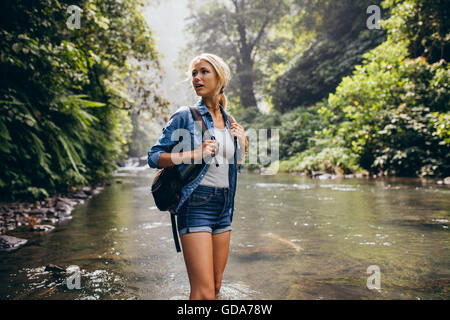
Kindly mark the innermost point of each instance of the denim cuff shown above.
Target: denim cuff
(153, 158)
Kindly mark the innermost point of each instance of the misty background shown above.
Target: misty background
(167, 21)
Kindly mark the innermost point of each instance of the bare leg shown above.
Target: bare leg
(198, 256)
(221, 246)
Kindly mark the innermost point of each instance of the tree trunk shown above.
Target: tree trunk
(245, 70)
(246, 91)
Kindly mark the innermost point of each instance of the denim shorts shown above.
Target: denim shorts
(204, 211)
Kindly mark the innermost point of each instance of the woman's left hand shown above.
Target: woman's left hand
(238, 131)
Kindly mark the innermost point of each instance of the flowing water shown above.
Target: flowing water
(293, 238)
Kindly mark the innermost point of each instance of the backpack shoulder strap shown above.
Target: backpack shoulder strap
(231, 120)
(198, 117)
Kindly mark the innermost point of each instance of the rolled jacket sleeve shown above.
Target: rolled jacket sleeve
(165, 142)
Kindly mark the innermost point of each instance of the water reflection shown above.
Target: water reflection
(307, 239)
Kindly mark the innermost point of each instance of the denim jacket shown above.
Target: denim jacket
(182, 119)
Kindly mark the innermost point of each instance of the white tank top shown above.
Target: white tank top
(218, 176)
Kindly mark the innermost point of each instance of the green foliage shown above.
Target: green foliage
(325, 155)
(342, 38)
(391, 116)
(392, 113)
(64, 115)
(296, 128)
(424, 24)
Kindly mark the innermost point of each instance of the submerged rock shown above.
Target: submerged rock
(9, 243)
(54, 268)
(322, 175)
(43, 228)
(80, 195)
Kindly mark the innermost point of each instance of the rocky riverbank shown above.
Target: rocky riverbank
(39, 216)
(328, 176)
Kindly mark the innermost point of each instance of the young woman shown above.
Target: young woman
(206, 206)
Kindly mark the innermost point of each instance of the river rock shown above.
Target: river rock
(143, 161)
(39, 212)
(43, 228)
(63, 207)
(322, 176)
(97, 191)
(49, 220)
(22, 218)
(9, 243)
(8, 213)
(52, 212)
(70, 202)
(10, 224)
(447, 180)
(79, 195)
(87, 190)
(120, 163)
(54, 268)
(64, 218)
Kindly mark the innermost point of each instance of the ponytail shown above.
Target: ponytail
(223, 99)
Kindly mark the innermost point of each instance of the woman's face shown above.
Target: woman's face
(204, 79)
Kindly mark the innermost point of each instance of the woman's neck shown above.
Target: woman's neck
(212, 103)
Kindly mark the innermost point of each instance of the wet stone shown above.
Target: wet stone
(79, 195)
(67, 201)
(43, 228)
(65, 218)
(48, 212)
(50, 220)
(8, 214)
(62, 206)
(97, 191)
(54, 268)
(38, 212)
(51, 211)
(10, 224)
(9, 243)
(87, 190)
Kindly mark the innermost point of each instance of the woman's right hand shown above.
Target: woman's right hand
(208, 148)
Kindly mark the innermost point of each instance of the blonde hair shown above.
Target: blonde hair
(222, 71)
